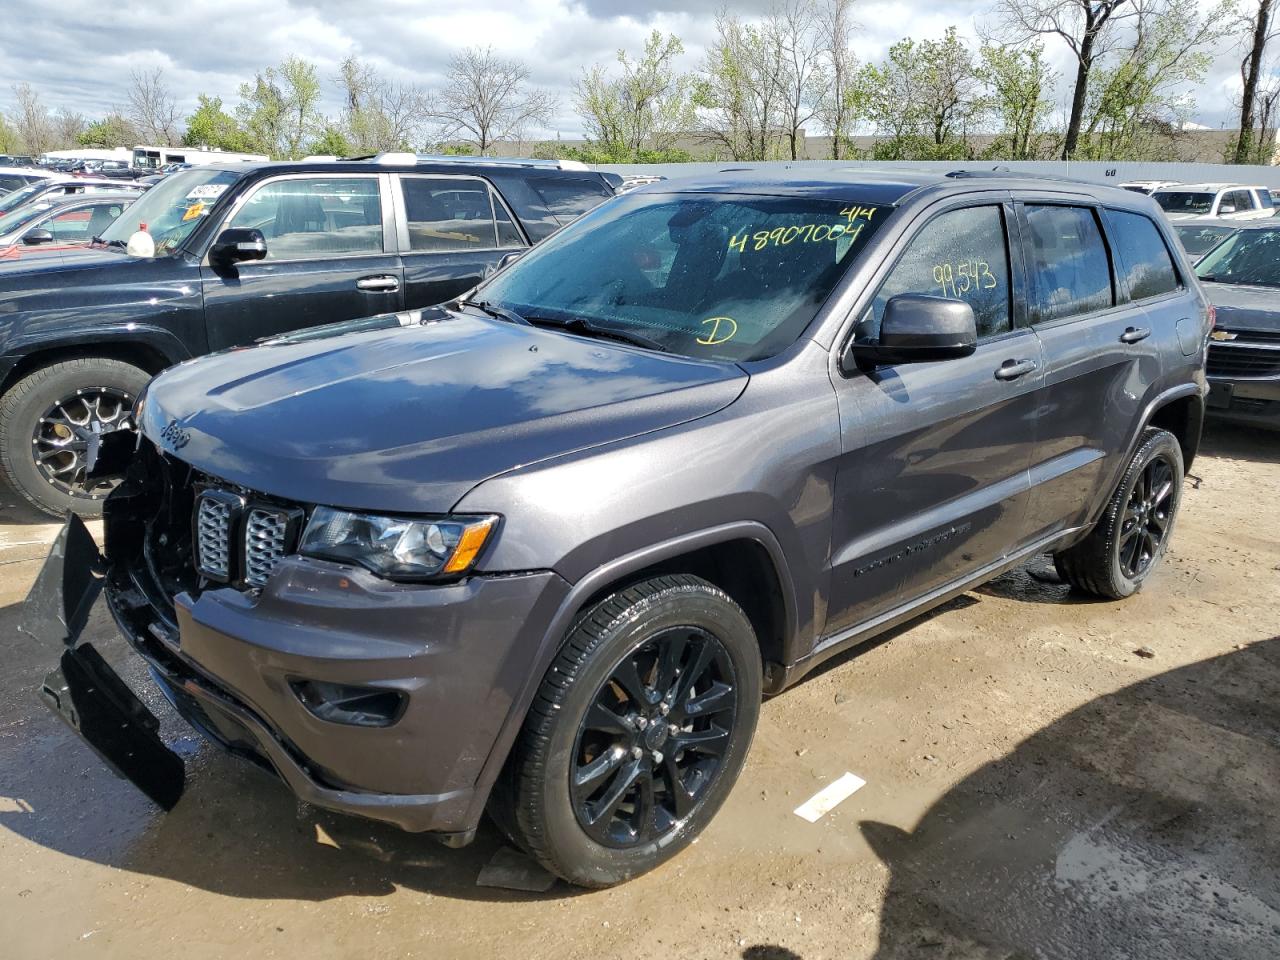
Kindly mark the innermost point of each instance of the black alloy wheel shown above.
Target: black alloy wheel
(65, 439)
(1146, 517)
(654, 738)
(1127, 542)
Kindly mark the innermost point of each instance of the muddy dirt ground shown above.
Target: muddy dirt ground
(1035, 789)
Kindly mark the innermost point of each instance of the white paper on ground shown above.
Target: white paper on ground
(826, 799)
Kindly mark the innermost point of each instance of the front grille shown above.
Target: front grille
(264, 543)
(1231, 360)
(239, 540)
(213, 537)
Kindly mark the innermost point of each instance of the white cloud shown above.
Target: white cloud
(79, 54)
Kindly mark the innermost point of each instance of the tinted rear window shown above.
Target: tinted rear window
(1144, 261)
(569, 198)
(1069, 260)
(1183, 201)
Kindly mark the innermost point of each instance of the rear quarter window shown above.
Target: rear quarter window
(1143, 260)
(569, 197)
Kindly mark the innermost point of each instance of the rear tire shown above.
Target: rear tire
(637, 734)
(1130, 539)
(84, 391)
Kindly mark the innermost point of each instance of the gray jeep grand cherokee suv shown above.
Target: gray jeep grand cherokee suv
(541, 551)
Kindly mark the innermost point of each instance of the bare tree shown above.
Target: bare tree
(31, 120)
(152, 109)
(792, 27)
(68, 127)
(1088, 29)
(486, 99)
(740, 95)
(837, 106)
(1251, 75)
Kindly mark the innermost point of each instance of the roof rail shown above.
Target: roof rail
(1005, 172)
(408, 159)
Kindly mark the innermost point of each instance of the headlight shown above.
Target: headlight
(394, 547)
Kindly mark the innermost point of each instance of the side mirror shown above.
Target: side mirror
(237, 245)
(917, 328)
(35, 237)
(1226, 208)
(510, 258)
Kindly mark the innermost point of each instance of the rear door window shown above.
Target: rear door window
(449, 215)
(1068, 261)
(1143, 258)
(1242, 200)
(569, 197)
(961, 254)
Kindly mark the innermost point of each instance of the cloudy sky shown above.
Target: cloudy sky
(78, 53)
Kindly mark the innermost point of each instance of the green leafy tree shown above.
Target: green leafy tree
(278, 108)
(111, 131)
(211, 126)
(1139, 100)
(331, 142)
(1020, 83)
(646, 105)
(925, 99)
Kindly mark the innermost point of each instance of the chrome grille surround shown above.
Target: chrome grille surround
(265, 542)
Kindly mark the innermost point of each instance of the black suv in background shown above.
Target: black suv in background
(239, 252)
(544, 552)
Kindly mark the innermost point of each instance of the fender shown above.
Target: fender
(1148, 412)
(161, 341)
(592, 583)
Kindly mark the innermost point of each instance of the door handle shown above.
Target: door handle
(1013, 369)
(1134, 334)
(378, 284)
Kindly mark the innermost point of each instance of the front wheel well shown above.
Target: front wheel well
(140, 355)
(742, 568)
(1184, 418)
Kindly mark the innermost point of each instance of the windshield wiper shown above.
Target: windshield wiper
(493, 310)
(98, 241)
(587, 328)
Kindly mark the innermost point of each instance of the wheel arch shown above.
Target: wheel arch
(759, 565)
(150, 350)
(1182, 414)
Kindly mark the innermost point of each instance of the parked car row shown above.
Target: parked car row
(541, 549)
(222, 255)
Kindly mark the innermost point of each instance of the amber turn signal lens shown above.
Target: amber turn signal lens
(472, 540)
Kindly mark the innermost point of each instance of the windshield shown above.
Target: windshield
(1182, 201)
(11, 201)
(171, 209)
(1198, 239)
(718, 277)
(1250, 257)
(22, 216)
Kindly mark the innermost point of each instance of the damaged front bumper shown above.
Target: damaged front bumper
(233, 662)
(83, 690)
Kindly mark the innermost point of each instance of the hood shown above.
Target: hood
(1242, 307)
(409, 419)
(17, 259)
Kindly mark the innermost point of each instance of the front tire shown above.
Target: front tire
(637, 734)
(46, 420)
(1127, 544)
